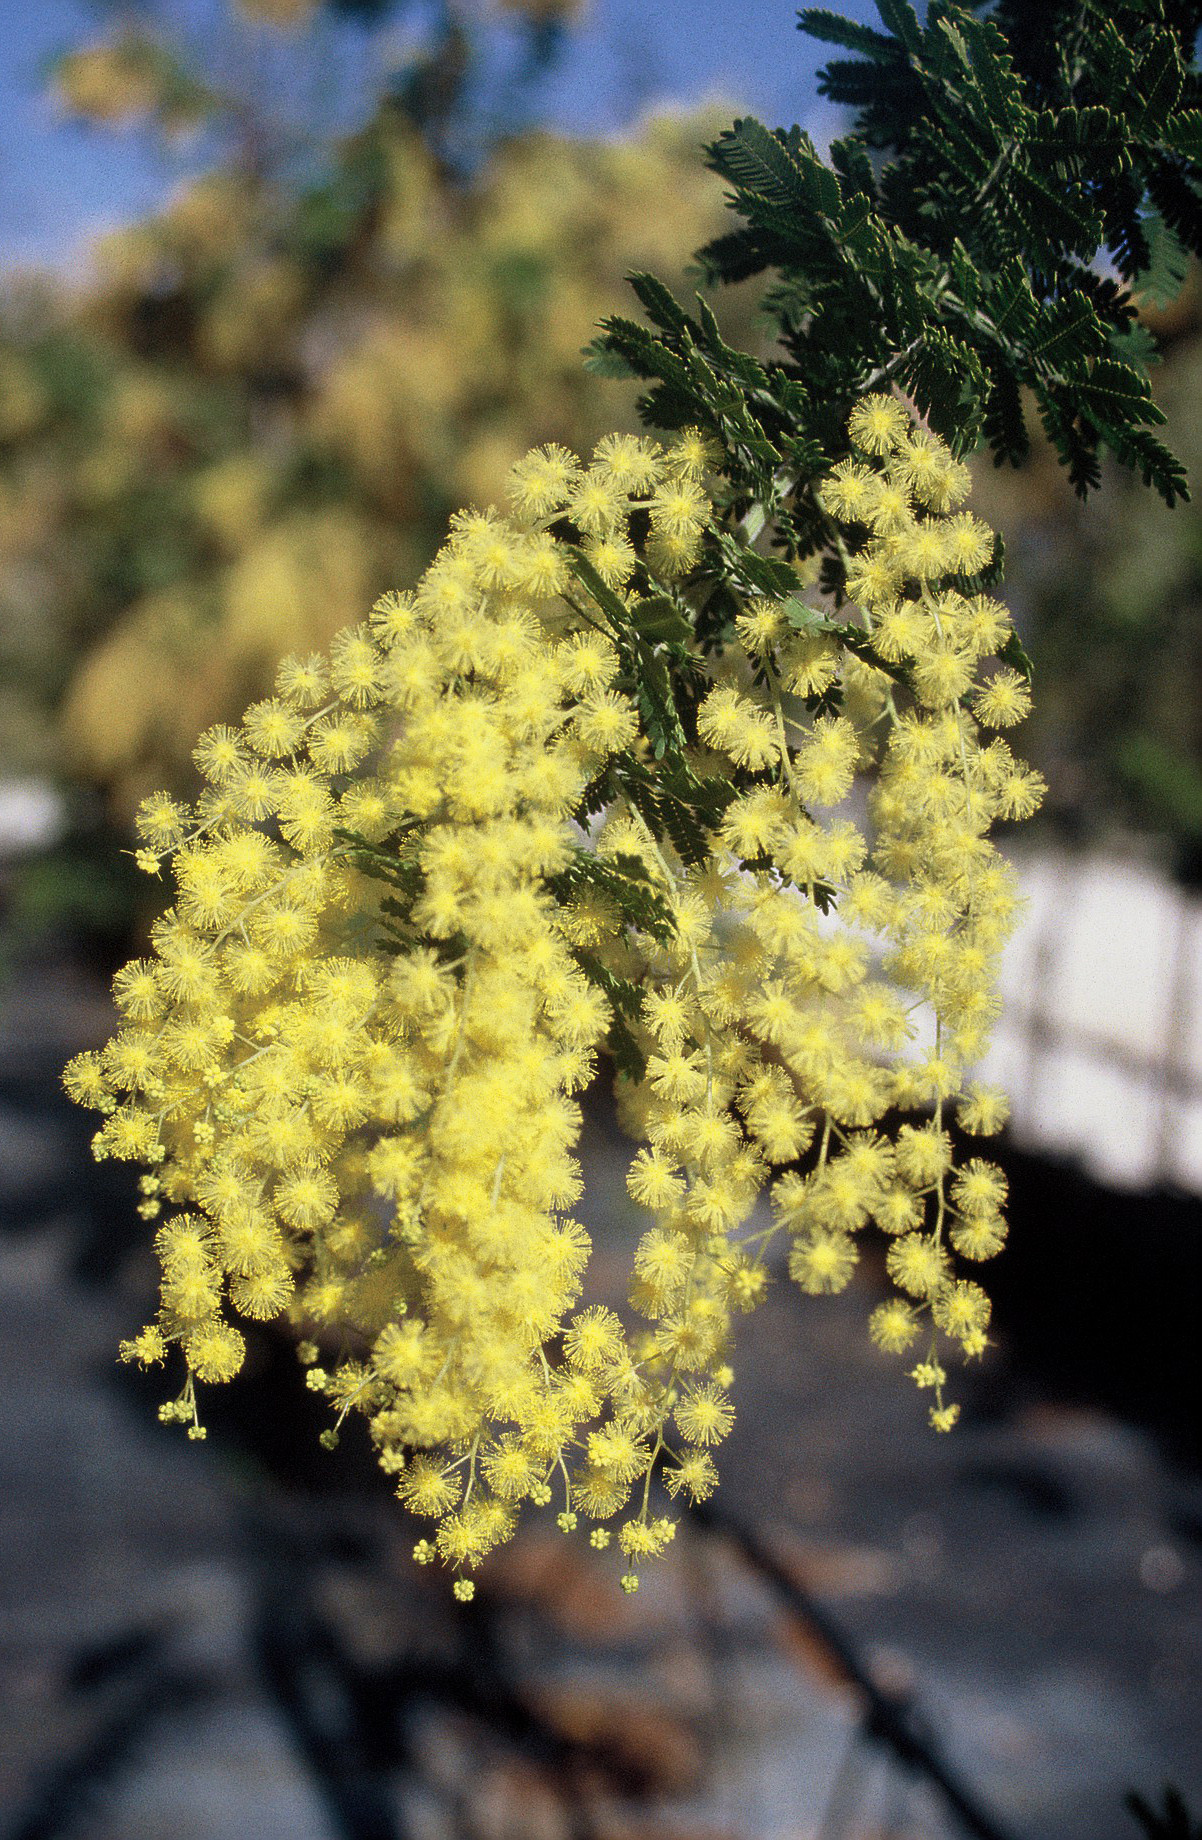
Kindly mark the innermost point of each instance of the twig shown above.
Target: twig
(895, 1722)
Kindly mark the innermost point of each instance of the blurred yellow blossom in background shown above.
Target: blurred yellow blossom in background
(263, 403)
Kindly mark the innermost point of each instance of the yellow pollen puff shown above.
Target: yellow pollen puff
(878, 424)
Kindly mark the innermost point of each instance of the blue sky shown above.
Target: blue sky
(60, 181)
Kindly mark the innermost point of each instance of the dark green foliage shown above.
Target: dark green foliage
(389, 862)
(674, 802)
(625, 1000)
(621, 881)
(1018, 179)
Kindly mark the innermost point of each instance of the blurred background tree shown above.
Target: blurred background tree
(264, 401)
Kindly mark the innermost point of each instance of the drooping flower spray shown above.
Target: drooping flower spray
(441, 870)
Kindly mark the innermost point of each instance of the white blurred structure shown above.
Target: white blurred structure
(1100, 1039)
(32, 816)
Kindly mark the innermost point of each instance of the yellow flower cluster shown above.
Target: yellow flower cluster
(354, 1089)
(396, 947)
(826, 975)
